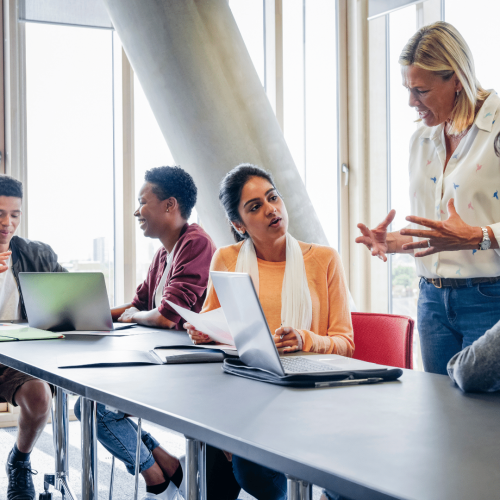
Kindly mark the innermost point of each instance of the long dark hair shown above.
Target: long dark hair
(231, 188)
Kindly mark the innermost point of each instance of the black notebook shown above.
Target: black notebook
(160, 355)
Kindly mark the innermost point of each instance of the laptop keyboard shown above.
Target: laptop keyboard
(300, 364)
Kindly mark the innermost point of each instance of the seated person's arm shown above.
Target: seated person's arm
(146, 318)
(185, 286)
(211, 301)
(130, 314)
(477, 367)
(116, 312)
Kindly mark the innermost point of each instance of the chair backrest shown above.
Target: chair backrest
(386, 339)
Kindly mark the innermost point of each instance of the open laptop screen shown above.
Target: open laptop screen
(246, 321)
(66, 301)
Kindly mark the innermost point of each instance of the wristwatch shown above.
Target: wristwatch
(486, 242)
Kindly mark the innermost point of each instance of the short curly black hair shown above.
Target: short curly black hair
(10, 186)
(174, 182)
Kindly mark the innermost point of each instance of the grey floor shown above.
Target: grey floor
(42, 460)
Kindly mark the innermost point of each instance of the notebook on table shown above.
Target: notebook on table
(161, 355)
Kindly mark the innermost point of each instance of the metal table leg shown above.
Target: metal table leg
(60, 434)
(89, 449)
(138, 456)
(298, 489)
(196, 480)
(112, 479)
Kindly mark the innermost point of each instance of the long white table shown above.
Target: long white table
(417, 438)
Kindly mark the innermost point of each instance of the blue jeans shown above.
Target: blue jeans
(450, 319)
(259, 481)
(118, 434)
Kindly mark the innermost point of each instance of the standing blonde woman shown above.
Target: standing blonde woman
(454, 193)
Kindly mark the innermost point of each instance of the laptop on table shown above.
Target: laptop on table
(252, 336)
(63, 302)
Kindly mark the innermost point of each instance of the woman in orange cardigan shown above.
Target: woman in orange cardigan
(301, 288)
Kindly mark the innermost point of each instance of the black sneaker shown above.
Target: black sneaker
(20, 481)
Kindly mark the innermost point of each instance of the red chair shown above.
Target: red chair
(385, 339)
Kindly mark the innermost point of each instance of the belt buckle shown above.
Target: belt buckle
(437, 280)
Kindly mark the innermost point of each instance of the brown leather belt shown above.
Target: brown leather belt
(457, 283)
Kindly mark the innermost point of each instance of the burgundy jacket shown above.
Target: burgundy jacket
(187, 278)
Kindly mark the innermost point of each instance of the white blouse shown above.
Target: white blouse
(472, 178)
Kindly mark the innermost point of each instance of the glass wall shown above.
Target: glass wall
(69, 197)
(404, 280)
(249, 17)
(309, 92)
(479, 27)
(151, 150)
(321, 144)
(294, 81)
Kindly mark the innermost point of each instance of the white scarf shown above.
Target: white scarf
(296, 305)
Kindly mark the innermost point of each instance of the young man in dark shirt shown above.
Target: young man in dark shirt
(179, 273)
(33, 396)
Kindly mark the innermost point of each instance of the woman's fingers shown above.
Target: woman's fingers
(364, 230)
(199, 337)
(287, 343)
(424, 253)
(365, 240)
(388, 219)
(416, 244)
(422, 221)
(381, 255)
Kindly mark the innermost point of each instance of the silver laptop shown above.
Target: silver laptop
(250, 330)
(64, 302)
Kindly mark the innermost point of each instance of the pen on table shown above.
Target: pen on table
(359, 381)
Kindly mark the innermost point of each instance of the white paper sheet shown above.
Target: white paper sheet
(212, 323)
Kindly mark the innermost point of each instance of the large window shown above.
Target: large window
(151, 150)
(69, 194)
(309, 92)
(321, 144)
(404, 280)
(479, 27)
(250, 19)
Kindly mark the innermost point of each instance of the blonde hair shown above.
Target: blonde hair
(439, 47)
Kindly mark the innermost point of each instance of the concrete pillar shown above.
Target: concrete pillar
(209, 102)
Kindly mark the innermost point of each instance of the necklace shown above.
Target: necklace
(456, 136)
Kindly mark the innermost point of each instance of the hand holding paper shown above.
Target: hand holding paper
(213, 323)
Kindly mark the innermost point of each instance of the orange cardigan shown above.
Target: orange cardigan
(331, 327)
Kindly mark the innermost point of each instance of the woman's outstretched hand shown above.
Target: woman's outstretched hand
(376, 239)
(449, 235)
